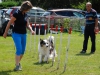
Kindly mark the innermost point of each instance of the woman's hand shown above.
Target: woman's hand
(33, 32)
(5, 35)
(8, 26)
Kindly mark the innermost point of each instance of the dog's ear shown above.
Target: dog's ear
(41, 39)
(41, 42)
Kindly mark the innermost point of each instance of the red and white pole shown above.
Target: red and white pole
(45, 27)
(66, 59)
(30, 38)
(39, 31)
(56, 33)
(55, 42)
(60, 46)
(56, 29)
(51, 29)
(34, 36)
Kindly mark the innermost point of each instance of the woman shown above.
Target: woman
(21, 22)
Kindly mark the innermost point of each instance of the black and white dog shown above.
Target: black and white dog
(46, 49)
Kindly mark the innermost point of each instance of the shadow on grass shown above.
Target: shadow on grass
(54, 70)
(57, 72)
(49, 67)
(61, 73)
(5, 72)
(86, 54)
(37, 63)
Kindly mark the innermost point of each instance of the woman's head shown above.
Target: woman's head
(26, 6)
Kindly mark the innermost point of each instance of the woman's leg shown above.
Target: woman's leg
(21, 56)
(23, 42)
(17, 41)
(17, 60)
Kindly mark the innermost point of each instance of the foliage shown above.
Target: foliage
(80, 6)
(8, 4)
(73, 22)
(66, 23)
(52, 4)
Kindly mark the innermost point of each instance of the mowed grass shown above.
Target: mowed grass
(77, 64)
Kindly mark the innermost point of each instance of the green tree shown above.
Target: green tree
(49, 4)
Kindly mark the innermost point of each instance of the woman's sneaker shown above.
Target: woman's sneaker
(18, 68)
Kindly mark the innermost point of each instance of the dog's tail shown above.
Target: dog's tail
(53, 54)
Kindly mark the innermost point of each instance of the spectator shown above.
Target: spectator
(91, 26)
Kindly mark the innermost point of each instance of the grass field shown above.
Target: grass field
(78, 64)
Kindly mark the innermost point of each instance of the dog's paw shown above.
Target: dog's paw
(40, 62)
(47, 62)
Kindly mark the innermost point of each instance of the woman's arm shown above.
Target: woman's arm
(29, 27)
(8, 26)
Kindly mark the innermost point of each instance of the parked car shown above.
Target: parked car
(65, 13)
(34, 11)
(4, 21)
(3, 12)
(11, 10)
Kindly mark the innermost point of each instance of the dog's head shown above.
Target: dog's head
(44, 43)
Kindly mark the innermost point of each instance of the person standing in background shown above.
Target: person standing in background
(90, 28)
